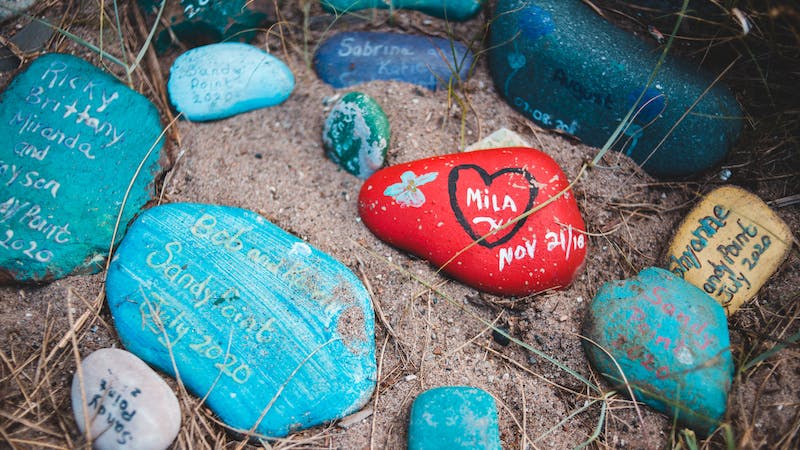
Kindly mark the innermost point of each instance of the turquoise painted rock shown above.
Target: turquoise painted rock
(351, 58)
(671, 341)
(221, 80)
(458, 10)
(277, 334)
(356, 134)
(74, 139)
(454, 417)
(13, 8)
(561, 65)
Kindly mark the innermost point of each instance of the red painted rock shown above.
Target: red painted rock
(438, 207)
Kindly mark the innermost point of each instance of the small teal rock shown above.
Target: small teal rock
(561, 65)
(74, 139)
(458, 10)
(277, 334)
(222, 80)
(356, 134)
(454, 417)
(671, 341)
(13, 8)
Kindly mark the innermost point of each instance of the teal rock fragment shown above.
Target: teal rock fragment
(671, 341)
(457, 10)
(356, 134)
(74, 138)
(454, 417)
(278, 335)
(561, 65)
(221, 80)
(13, 8)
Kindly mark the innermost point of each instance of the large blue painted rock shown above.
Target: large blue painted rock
(457, 10)
(221, 80)
(454, 417)
(74, 138)
(350, 58)
(356, 134)
(277, 334)
(561, 65)
(671, 341)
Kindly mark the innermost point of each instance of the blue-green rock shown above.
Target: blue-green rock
(356, 134)
(454, 417)
(561, 65)
(458, 10)
(671, 341)
(74, 138)
(277, 334)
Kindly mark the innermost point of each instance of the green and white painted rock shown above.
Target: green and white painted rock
(356, 134)
(13, 8)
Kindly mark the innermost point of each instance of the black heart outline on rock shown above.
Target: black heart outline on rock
(452, 181)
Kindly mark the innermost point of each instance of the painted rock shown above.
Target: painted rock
(356, 134)
(13, 8)
(458, 212)
(729, 245)
(129, 406)
(671, 341)
(561, 65)
(75, 139)
(277, 334)
(454, 417)
(458, 10)
(501, 138)
(221, 80)
(351, 58)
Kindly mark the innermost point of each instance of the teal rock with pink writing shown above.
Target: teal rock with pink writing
(74, 140)
(457, 10)
(276, 335)
(671, 341)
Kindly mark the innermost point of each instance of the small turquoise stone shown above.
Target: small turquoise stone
(277, 334)
(561, 65)
(671, 341)
(74, 139)
(454, 417)
(458, 10)
(351, 58)
(222, 80)
(356, 134)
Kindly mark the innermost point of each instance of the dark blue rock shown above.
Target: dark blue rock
(277, 334)
(457, 10)
(74, 139)
(357, 57)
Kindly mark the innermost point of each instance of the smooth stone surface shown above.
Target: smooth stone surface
(130, 407)
(350, 58)
(561, 65)
(31, 38)
(458, 10)
(501, 138)
(75, 137)
(257, 319)
(222, 80)
(671, 341)
(13, 8)
(454, 417)
(729, 245)
(356, 134)
(437, 207)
